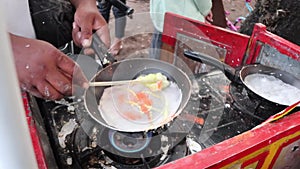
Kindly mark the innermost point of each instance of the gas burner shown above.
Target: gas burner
(129, 142)
(179, 151)
(79, 142)
(90, 153)
(109, 148)
(130, 145)
(141, 162)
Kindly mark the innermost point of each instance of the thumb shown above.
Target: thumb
(86, 33)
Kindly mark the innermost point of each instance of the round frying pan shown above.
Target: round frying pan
(127, 70)
(239, 75)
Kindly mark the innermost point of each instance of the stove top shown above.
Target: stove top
(216, 111)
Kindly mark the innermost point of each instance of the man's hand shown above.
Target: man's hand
(209, 18)
(87, 19)
(43, 70)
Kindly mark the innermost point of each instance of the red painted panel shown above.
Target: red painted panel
(235, 43)
(240, 146)
(259, 159)
(38, 150)
(260, 35)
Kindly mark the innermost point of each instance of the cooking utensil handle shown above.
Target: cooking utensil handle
(230, 72)
(101, 51)
(112, 83)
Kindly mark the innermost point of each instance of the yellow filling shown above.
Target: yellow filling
(154, 81)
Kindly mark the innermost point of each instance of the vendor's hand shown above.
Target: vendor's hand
(43, 70)
(87, 20)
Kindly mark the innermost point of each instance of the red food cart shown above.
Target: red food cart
(273, 145)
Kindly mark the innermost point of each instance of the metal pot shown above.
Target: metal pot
(131, 69)
(238, 75)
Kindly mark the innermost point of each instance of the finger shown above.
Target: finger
(104, 34)
(90, 24)
(71, 69)
(99, 22)
(47, 91)
(76, 34)
(35, 93)
(86, 42)
(86, 30)
(79, 78)
(60, 82)
(32, 90)
(209, 17)
(88, 51)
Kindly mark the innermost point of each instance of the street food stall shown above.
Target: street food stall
(273, 145)
(219, 126)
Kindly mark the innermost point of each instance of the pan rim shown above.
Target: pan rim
(242, 77)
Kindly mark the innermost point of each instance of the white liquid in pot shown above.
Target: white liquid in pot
(272, 88)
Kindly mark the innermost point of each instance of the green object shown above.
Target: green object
(194, 9)
(154, 81)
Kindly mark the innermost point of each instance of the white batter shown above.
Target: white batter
(273, 88)
(121, 114)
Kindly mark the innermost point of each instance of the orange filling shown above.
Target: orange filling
(132, 116)
(143, 102)
(159, 85)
